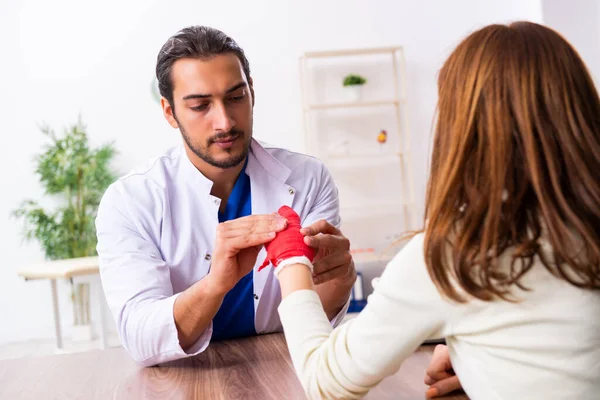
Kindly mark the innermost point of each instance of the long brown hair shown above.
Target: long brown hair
(516, 159)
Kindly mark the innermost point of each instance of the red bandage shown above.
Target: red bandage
(289, 242)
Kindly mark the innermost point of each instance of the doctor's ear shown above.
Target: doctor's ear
(251, 85)
(169, 113)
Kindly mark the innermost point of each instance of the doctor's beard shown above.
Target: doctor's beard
(204, 154)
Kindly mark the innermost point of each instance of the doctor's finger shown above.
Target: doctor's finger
(320, 226)
(252, 220)
(333, 242)
(331, 274)
(246, 241)
(334, 260)
(256, 226)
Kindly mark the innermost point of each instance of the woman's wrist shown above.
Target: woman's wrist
(293, 260)
(293, 277)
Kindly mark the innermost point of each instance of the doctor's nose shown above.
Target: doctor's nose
(222, 121)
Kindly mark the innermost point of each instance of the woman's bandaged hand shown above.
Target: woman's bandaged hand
(288, 247)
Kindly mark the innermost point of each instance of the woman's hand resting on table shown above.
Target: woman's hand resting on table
(439, 376)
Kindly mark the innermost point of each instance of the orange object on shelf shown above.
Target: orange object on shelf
(382, 137)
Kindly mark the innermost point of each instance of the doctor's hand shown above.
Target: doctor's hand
(439, 376)
(333, 261)
(237, 245)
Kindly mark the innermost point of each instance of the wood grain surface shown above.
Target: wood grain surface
(252, 368)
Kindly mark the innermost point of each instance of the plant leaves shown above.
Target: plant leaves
(70, 169)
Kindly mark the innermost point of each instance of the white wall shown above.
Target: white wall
(579, 22)
(65, 57)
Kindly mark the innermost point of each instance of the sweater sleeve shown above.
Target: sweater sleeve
(404, 310)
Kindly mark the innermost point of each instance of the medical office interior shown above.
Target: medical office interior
(352, 83)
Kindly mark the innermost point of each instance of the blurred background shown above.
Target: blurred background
(64, 60)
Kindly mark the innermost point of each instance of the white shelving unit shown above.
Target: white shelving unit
(375, 166)
(357, 104)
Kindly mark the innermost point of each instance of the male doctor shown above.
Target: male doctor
(181, 238)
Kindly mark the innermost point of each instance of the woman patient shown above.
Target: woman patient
(507, 267)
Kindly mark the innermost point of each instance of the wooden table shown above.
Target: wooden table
(253, 368)
(65, 269)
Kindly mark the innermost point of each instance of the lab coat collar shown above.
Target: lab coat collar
(261, 161)
(192, 175)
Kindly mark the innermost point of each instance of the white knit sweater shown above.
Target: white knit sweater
(547, 346)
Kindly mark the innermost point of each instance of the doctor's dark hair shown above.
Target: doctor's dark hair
(199, 42)
(514, 167)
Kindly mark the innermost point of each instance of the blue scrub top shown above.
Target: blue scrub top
(235, 318)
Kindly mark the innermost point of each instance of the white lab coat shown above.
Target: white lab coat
(156, 230)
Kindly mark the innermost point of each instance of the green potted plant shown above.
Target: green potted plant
(353, 85)
(75, 176)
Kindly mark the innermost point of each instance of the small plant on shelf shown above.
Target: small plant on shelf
(354, 80)
(353, 85)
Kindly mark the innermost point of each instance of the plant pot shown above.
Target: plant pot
(82, 333)
(354, 93)
(82, 324)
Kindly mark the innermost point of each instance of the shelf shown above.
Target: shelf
(365, 156)
(385, 207)
(370, 216)
(351, 52)
(371, 258)
(330, 106)
(343, 162)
